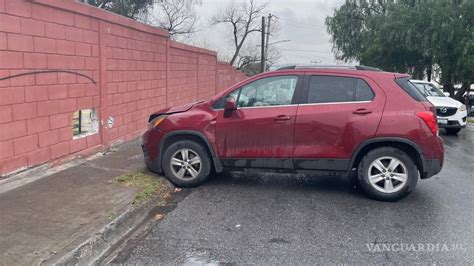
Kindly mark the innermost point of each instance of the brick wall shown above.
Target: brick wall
(126, 71)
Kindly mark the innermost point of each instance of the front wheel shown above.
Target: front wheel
(452, 131)
(387, 174)
(186, 163)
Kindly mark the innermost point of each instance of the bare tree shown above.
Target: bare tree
(133, 9)
(249, 59)
(178, 17)
(244, 18)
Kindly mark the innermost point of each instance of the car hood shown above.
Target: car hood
(444, 101)
(173, 110)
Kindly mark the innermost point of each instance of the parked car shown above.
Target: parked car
(451, 114)
(332, 121)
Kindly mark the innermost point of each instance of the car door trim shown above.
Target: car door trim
(306, 104)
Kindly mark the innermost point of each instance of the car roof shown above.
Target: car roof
(354, 67)
(344, 71)
(320, 70)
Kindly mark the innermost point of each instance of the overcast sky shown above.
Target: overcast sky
(301, 21)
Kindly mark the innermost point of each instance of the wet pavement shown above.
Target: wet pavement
(280, 219)
(43, 220)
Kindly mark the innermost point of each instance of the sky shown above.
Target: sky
(301, 22)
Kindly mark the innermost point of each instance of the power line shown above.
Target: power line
(303, 24)
(304, 28)
(301, 50)
(309, 55)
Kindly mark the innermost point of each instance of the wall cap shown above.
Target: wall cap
(101, 14)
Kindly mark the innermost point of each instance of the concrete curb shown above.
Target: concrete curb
(470, 126)
(100, 243)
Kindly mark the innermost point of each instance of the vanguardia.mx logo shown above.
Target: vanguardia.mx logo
(414, 247)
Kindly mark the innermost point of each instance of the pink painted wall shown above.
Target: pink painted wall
(136, 68)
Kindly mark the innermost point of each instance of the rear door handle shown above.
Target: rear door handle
(362, 111)
(281, 118)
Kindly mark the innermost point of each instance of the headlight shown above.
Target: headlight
(156, 121)
(462, 108)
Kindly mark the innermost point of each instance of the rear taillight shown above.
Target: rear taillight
(430, 120)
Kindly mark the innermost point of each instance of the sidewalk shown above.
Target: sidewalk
(57, 213)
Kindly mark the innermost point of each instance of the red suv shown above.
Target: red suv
(329, 120)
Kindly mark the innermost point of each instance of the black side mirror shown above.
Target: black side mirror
(230, 105)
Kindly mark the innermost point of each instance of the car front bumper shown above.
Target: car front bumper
(458, 120)
(150, 147)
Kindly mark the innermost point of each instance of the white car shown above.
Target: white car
(452, 114)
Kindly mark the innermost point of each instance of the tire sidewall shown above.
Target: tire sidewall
(412, 173)
(205, 163)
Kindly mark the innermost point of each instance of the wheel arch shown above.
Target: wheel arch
(196, 136)
(405, 145)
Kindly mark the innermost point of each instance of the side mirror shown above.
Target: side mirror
(230, 105)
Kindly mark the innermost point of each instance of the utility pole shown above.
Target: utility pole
(267, 40)
(262, 56)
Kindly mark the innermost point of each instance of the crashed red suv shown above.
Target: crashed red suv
(329, 120)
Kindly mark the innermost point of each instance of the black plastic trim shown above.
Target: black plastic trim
(271, 163)
(217, 162)
(410, 89)
(324, 164)
(431, 167)
(321, 164)
(384, 139)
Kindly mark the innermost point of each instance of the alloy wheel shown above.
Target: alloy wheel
(387, 174)
(185, 164)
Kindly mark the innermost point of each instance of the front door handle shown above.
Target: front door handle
(281, 118)
(362, 111)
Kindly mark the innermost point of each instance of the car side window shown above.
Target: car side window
(220, 103)
(234, 95)
(272, 91)
(333, 89)
(363, 91)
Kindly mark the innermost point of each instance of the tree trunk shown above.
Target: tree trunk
(449, 87)
(459, 95)
(429, 72)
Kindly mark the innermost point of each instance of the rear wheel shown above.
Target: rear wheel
(186, 163)
(452, 131)
(387, 174)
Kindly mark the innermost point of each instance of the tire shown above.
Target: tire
(194, 173)
(381, 190)
(452, 131)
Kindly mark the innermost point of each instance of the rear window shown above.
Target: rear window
(333, 89)
(410, 89)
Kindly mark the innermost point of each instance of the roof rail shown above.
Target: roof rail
(355, 67)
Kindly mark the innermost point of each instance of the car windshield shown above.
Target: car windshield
(429, 90)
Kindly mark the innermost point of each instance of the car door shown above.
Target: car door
(335, 115)
(260, 133)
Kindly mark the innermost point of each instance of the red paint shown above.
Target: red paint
(254, 133)
(317, 131)
(137, 70)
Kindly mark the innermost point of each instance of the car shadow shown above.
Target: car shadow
(335, 185)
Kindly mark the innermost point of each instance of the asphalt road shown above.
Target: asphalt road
(279, 219)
